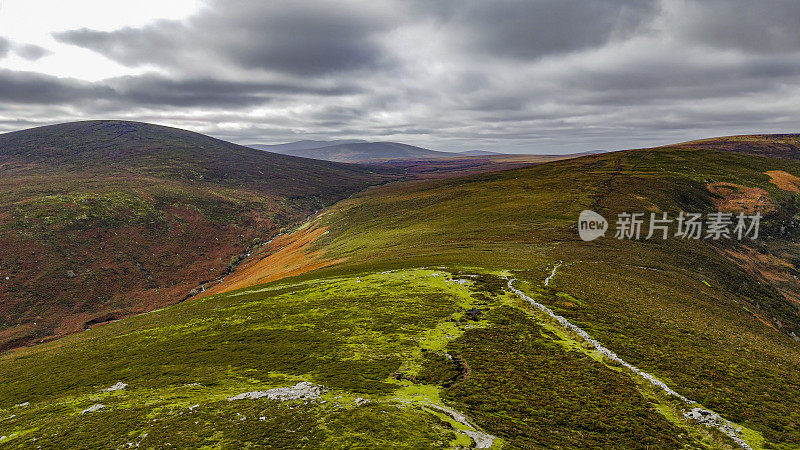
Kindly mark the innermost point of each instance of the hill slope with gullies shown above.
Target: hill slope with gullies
(103, 219)
(462, 313)
(774, 145)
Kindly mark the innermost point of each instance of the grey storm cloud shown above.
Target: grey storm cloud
(542, 75)
(531, 29)
(301, 38)
(35, 88)
(148, 90)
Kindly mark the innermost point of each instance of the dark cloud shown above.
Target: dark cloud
(149, 90)
(35, 88)
(158, 90)
(533, 29)
(301, 38)
(760, 26)
(540, 75)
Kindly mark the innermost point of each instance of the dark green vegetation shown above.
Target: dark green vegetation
(552, 398)
(102, 219)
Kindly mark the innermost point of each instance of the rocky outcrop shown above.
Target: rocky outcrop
(300, 391)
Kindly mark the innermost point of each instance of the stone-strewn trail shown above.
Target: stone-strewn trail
(704, 416)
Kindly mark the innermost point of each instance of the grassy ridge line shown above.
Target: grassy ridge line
(353, 334)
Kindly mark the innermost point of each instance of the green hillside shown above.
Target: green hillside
(415, 339)
(102, 219)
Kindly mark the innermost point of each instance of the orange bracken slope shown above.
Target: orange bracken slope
(286, 256)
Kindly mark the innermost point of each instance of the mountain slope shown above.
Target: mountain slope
(716, 321)
(774, 145)
(478, 153)
(400, 313)
(364, 151)
(289, 147)
(102, 219)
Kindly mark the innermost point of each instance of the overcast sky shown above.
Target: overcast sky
(543, 76)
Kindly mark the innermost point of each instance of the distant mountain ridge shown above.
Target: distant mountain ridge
(303, 145)
(479, 153)
(354, 150)
(359, 150)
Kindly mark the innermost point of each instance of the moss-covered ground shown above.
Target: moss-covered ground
(392, 348)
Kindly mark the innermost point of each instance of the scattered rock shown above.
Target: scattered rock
(302, 390)
(116, 387)
(71, 274)
(94, 408)
(361, 401)
(712, 419)
(482, 440)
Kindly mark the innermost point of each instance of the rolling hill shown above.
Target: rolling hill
(774, 145)
(290, 147)
(478, 153)
(716, 320)
(355, 151)
(462, 312)
(103, 219)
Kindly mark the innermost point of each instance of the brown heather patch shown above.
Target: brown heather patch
(774, 270)
(736, 197)
(784, 180)
(286, 256)
(770, 267)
